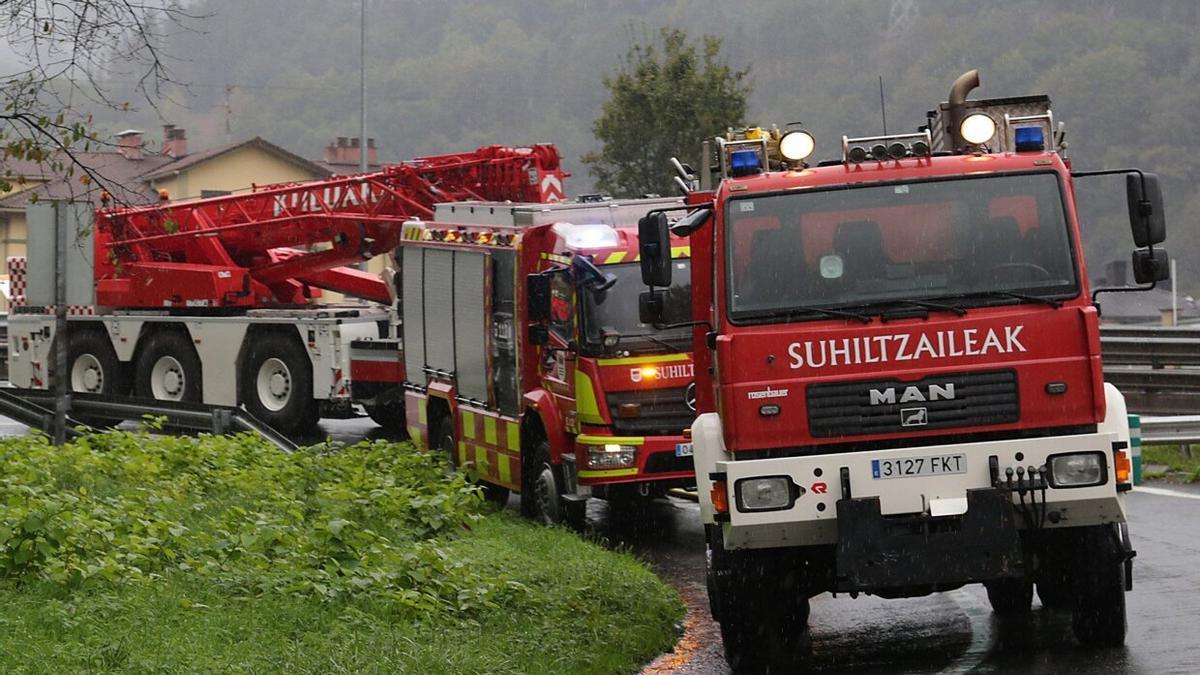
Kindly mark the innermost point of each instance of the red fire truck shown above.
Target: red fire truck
(899, 379)
(524, 359)
(212, 300)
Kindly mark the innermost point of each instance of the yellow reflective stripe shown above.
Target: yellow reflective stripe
(601, 440)
(681, 251)
(607, 473)
(505, 469)
(462, 454)
(481, 461)
(422, 417)
(468, 424)
(615, 257)
(635, 360)
(514, 436)
(489, 430)
(585, 399)
(414, 432)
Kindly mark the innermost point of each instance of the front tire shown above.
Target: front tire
(277, 383)
(761, 603)
(1010, 597)
(168, 369)
(1099, 616)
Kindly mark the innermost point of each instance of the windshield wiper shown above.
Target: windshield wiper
(841, 313)
(921, 303)
(1023, 297)
(664, 343)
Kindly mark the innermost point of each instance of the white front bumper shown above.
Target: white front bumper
(813, 517)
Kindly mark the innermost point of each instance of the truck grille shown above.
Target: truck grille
(881, 406)
(663, 411)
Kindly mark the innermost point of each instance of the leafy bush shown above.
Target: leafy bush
(328, 522)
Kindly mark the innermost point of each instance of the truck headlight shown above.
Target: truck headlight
(766, 493)
(1077, 469)
(611, 456)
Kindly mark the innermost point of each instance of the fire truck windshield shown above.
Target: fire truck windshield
(617, 310)
(971, 241)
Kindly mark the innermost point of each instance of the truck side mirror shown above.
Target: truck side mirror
(1151, 266)
(537, 297)
(1146, 217)
(654, 245)
(651, 307)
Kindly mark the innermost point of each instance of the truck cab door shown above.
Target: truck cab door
(557, 364)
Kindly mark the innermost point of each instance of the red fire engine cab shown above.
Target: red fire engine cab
(899, 378)
(524, 358)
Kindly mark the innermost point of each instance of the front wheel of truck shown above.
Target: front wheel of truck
(1010, 597)
(1099, 582)
(761, 605)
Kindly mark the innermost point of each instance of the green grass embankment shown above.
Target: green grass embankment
(1179, 466)
(132, 552)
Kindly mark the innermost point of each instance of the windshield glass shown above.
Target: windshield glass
(885, 244)
(617, 309)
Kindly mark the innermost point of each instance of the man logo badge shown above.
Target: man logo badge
(914, 417)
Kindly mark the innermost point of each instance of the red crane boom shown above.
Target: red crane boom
(278, 244)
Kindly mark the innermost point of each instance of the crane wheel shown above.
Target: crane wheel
(277, 383)
(93, 368)
(168, 369)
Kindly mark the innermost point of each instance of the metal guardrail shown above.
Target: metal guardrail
(1156, 368)
(35, 407)
(1174, 429)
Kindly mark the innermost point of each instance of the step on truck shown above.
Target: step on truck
(217, 301)
(900, 386)
(524, 359)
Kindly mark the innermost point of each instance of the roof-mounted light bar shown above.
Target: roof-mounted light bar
(1032, 142)
(880, 148)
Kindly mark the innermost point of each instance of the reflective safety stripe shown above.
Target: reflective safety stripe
(414, 432)
(681, 251)
(422, 417)
(468, 424)
(482, 465)
(615, 257)
(462, 454)
(504, 467)
(602, 440)
(607, 473)
(489, 431)
(636, 360)
(585, 399)
(514, 436)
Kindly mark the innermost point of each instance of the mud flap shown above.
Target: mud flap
(875, 552)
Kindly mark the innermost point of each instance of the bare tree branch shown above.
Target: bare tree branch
(73, 54)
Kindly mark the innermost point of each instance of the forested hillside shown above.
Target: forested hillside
(1124, 76)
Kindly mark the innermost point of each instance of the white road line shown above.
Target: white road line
(1163, 492)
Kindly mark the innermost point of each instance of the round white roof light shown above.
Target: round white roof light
(977, 129)
(796, 145)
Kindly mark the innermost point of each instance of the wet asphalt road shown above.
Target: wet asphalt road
(943, 633)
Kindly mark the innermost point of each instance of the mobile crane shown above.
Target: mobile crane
(900, 387)
(212, 300)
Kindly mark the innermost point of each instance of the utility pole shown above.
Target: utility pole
(362, 91)
(62, 391)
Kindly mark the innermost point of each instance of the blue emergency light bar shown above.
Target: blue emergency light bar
(744, 162)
